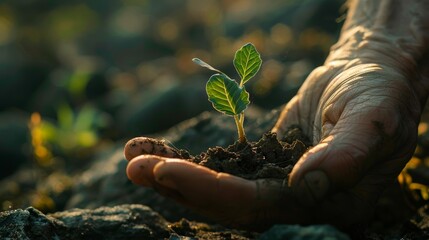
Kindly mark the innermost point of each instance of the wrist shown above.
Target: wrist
(389, 32)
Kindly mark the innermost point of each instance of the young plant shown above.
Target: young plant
(226, 95)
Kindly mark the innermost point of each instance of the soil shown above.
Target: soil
(267, 158)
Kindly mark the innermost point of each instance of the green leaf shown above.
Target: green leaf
(65, 116)
(247, 62)
(226, 96)
(204, 64)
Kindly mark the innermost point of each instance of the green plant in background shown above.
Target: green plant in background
(226, 95)
(71, 134)
(76, 130)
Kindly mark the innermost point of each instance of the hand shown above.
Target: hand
(228, 199)
(362, 118)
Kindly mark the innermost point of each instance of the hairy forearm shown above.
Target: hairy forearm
(398, 30)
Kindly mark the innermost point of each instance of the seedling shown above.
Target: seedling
(225, 94)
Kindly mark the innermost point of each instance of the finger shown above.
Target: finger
(229, 199)
(140, 169)
(196, 182)
(143, 145)
(140, 172)
(202, 187)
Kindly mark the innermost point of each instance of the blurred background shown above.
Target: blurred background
(77, 77)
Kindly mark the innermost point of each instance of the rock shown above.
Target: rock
(295, 232)
(120, 222)
(28, 224)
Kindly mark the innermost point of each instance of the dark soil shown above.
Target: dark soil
(267, 158)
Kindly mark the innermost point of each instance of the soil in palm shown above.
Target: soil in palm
(266, 158)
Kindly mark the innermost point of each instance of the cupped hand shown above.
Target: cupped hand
(226, 198)
(362, 116)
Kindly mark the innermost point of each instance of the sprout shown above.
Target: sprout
(225, 94)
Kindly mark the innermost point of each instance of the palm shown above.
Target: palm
(363, 122)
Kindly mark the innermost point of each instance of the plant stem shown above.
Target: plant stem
(242, 118)
(239, 123)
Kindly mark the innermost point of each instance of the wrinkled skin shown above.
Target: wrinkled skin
(361, 108)
(363, 120)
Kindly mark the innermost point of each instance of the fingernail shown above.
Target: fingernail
(313, 187)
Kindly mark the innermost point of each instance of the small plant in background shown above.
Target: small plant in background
(228, 96)
(72, 134)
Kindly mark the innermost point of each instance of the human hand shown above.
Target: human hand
(361, 109)
(362, 118)
(225, 198)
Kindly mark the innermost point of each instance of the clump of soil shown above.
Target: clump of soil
(267, 158)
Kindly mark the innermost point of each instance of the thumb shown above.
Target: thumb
(338, 162)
